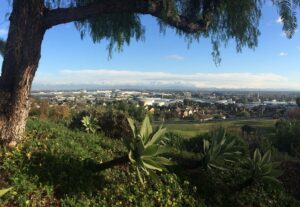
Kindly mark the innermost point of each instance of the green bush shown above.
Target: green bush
(110, 122)
(287, 137)
(226, 178)
(49, 169)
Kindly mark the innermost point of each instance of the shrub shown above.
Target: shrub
(112, 123)
(294, 114)
(243, 114)
(287, 137)
(48, 169)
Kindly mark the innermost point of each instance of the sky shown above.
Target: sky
(165, 61)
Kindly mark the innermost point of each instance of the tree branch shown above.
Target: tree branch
(151, 7)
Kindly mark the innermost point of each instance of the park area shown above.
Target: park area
(190, 129)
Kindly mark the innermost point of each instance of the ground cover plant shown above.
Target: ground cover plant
(56, 166)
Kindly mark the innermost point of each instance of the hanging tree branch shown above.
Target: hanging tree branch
(155, 8)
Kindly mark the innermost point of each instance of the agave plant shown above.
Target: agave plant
(147, 150)
(89, 124)
(261, 168)
(4, 191)
(220, 151)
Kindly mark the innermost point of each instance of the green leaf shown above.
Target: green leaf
(139, 146)
(205, 145)
(267, 157)
(131, 158)
(266, 169)
(154, 177)
(146, 129)
(257, 156)
(157, 137)
(132, 126)
(150, 150)
(4, 191)
(271, 180)
(152, 165)
(140, 176)
(163, 161)
(217, 167)
(164, 150)
(276, 165)
(276, 173)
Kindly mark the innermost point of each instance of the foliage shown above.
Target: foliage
(146, 149)
(218, 21)
(261, 168)
(288, 15)
(4, 191)
(234, 178)
(117, 28)
(110, 122)
(219, 151)
(137, 112)
(287, 137)
(113, 124)
(187, 130)
(49, 169)
(42, 109)
(243, 114)
(89, 124)
(294, 114)
(76, 120)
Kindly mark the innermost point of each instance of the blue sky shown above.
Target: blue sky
(163, 60)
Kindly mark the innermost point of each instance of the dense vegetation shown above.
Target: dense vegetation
(61, 165)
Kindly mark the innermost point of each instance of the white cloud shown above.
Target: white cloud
(279, 20)
(3, 32)
(117, 78)
(283, 54)
(174, 57)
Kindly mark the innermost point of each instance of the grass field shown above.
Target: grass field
(188, 130)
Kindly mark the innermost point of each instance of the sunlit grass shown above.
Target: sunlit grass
(191, 129)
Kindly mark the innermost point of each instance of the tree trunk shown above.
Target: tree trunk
(21, 57)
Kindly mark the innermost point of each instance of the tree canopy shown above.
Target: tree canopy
(219, 20)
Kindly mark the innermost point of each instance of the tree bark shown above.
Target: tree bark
(21, 57)
(28, 23)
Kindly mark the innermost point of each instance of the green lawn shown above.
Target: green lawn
(193, 129)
